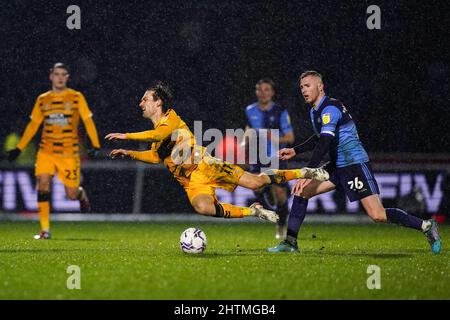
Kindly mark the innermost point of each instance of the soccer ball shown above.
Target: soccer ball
(193, 240)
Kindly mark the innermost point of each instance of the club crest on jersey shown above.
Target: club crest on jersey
(326, 118)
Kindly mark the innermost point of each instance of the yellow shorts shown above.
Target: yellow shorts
(210, 174)
(68, 168)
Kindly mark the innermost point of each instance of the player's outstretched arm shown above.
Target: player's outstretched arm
(115, 136)
(149, 135)
(149, 156)
(119, 153)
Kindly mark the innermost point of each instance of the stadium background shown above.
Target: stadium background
(394, 80)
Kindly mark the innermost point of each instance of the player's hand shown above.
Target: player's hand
(115, 136)
(300, 185)
(119, 153)
(92, 152)
(286, 153)
(13, 154)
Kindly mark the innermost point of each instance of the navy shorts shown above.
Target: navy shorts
(356, 181)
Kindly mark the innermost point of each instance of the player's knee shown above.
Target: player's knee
(43, 185)
(378, 215)
(203, 208)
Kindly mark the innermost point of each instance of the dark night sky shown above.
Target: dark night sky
(395, 81)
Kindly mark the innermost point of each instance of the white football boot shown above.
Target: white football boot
(318, 174)
(264, 214)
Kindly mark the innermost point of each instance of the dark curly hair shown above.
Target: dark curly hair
(162, 91)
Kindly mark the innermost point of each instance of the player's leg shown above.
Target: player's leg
(79, 193)
(43, 194)
(298, 213)
(202, 195)
(44, 171)
(281, 198)
(359, 183)
(256, 181)
(69, 173)
(214, 173)
(280, 176)
(205, 204)
(375, 209)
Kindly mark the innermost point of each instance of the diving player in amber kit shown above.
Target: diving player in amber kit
(199, 173)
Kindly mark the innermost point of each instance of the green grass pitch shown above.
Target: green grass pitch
(144, 261)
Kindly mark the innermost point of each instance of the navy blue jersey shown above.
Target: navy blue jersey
(332, 118)
(275, 117)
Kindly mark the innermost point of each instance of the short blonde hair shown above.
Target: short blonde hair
(310, 73)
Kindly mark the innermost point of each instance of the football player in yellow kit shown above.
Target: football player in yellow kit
(198, 172)
(59, 110)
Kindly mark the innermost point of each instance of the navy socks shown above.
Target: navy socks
(398, 216)
(296, 217)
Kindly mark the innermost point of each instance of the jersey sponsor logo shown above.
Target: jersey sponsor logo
(326, 118)
(57, 119)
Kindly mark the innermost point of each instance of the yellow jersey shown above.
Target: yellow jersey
(173, 143)
(60, 114)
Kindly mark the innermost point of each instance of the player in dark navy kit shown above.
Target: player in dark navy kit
(266, 114)
(349, 168)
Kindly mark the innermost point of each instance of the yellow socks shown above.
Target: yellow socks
(282, 176)
(44, 210)
(227, 210)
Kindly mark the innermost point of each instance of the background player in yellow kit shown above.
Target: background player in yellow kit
(59, 110)
(198, 172)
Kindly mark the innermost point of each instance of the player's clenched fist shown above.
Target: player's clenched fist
(115, 136)
(286, 153)
(119, 153)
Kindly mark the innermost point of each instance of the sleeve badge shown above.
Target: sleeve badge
(326, 118)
